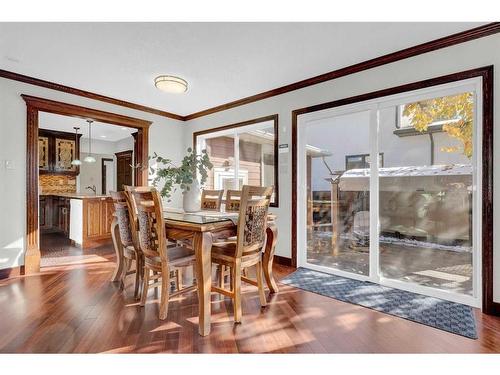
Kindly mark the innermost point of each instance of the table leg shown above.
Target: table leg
(272, 236)
(117, 244)
(202, 244)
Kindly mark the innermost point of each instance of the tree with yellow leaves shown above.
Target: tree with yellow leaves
(457, 110)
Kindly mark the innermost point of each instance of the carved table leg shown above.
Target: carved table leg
(272, 236)
(202, 245)
(117, 243)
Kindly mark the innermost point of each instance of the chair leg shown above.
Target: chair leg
(165, 292)
(156, 287)
(237, 293)
(220, 279)
(145, 286)
(126, 266)
(231, 277)
(138, 266)
(260, 284)
(178, 278)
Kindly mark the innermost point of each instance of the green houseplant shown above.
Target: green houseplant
(183, 176)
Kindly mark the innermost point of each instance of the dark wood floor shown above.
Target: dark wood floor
(75, 308)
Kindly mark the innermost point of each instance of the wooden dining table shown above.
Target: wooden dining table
(203, 228)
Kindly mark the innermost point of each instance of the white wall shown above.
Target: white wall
(91, 173)
(461, 57)
(124, 144)
(164, 138)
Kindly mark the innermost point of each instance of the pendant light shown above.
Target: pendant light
(89, 158)
(76, 161)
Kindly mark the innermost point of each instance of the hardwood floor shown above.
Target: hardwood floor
(75, 308)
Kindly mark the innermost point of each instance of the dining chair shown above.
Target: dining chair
(247, 250)
(232, 204)
(233, 199)
(128, 239)
(176, 275)
(211, 200)
(158, 260)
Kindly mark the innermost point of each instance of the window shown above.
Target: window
(361, 161)
(242, 154)
(433, 115)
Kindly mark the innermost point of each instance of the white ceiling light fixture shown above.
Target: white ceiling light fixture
(171, 84)
(89, 158)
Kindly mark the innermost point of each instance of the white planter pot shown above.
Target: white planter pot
(191, 199)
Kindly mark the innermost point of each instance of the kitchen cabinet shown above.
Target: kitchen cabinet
(90, 222)
(56, 151)
(54, 214)
(44, 207)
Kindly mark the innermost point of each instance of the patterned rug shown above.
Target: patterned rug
(445, 315)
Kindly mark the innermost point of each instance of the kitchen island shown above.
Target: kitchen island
(85, 218)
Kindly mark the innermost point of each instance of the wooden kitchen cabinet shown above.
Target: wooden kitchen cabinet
(44, 213)
(97, 218)
(56, 150)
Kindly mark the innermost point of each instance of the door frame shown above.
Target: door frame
(103, 174)
(486, 73)
(34, 105)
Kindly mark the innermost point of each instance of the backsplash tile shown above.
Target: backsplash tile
(51, 183)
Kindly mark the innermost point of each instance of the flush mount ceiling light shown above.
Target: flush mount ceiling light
(171, 84)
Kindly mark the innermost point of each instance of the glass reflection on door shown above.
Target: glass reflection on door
(338, 196)
(425, 193)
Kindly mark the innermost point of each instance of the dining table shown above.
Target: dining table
(202, 229)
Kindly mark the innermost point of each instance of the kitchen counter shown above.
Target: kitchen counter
(74, 195)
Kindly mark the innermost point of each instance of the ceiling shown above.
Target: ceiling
(100, 131)
(222, 62)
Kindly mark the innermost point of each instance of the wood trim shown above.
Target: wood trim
(489, 306)
(103, 175)
(275, 119)
(87, 94)
(122, 153)
(284, 261)
(447, 41)
(34, 105)
(32, 256)
(60, 108)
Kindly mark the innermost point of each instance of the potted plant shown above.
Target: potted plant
(184, 176)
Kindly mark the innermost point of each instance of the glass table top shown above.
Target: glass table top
(202, 217)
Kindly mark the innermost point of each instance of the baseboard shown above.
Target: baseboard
(282, 261)
(11, 272)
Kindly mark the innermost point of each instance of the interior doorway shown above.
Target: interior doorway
(107, 175)
(102, 216)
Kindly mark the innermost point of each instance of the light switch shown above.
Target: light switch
(9, 164)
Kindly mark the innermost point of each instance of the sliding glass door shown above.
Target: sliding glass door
(338, 232)
(390, 191)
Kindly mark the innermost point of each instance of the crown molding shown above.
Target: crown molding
(87, 94)
(447, 41)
